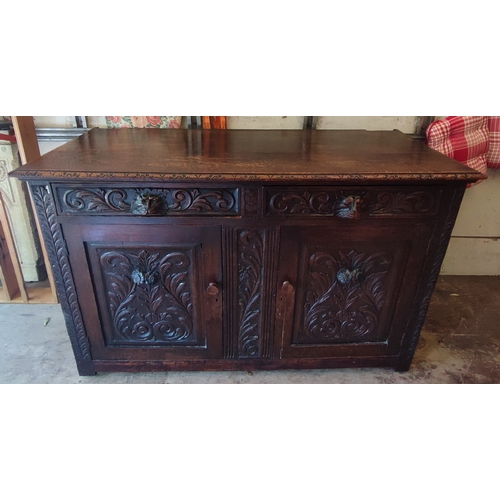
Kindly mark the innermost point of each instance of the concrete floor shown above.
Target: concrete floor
(460, 343)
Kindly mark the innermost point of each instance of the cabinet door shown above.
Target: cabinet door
(148, 292)
(346, 289)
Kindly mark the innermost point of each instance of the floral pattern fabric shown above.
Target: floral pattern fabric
(143, 121)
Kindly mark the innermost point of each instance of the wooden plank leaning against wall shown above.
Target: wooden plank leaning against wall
(13, 286)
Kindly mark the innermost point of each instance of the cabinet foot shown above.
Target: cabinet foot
(403, 366)
(86, 369)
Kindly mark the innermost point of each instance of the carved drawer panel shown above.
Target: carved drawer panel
(172, 201)
(353, 203)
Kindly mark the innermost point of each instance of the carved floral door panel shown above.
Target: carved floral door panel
(340, 290)
(156, 300)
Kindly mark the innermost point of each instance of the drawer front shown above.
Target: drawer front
(353, 202)
(137, 201)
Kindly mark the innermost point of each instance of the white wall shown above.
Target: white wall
(475, 242)
(407, 124)
(46, 146)
(265, 122)
(54, 121)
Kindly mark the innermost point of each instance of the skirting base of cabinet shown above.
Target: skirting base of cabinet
(243, 365)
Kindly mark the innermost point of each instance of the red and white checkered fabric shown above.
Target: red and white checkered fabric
(493, 155)
(463, 138)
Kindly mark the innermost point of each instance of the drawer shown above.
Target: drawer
(154, 201)
(353, 203)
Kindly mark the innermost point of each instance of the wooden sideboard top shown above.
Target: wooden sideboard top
(245, 155)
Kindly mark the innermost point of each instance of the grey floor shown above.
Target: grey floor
(460, 343)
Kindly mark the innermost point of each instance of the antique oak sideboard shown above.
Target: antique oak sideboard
(245, 249)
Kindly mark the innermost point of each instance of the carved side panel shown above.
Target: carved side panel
(344, 297)
(58, 255)
(417, 321)
(250, 275)
(161, 201)
(149, 296)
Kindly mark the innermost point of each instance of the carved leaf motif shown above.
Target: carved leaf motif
(301, 203)
(403, 203)
(150, 201)
(194, 200)
(98, 200)
(199, 202)
(155, 309)
(249, 292)
(58, 255)
(345, 309)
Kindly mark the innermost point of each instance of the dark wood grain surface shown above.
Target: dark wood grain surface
(232, 155)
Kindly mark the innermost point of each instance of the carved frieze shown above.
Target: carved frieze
(352, 204)
(34, 174)
(301, 203)
(185, 201)
(400, 203)
(95, 200)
